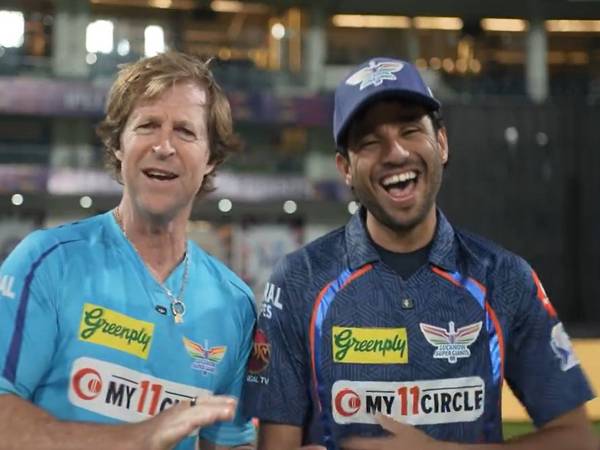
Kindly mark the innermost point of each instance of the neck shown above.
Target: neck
(402, 240)
(161, 244)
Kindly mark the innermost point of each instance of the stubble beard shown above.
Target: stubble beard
(413, 220)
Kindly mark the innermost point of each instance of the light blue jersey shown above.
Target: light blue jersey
(87, 334)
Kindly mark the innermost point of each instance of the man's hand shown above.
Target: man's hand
(403, 436)
(165, 430)
(570, 431)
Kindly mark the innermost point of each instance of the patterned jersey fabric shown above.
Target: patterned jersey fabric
(341, 336)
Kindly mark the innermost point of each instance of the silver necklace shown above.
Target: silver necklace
(177, 304)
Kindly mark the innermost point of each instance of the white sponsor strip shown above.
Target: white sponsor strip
(423, 402)
(121, 393)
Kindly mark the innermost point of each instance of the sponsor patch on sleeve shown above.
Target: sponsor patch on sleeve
(562, 347)
(271, 300)
(259, 358)
(6, 286)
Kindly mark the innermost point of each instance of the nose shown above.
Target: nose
(393, 143)
(396, 151)
(164, 149)
(399, 148)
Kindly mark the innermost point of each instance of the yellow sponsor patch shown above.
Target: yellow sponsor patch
(109, 328)
(369, 345)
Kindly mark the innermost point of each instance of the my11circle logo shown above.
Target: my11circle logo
(419, 402)
(122, 393)
(87, 383)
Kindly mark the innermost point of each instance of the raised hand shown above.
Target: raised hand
(165, 430)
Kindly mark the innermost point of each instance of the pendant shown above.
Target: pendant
(178, 310)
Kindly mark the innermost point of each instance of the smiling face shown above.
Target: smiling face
(164, 151)
(394, 165)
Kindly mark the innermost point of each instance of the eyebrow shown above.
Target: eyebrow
(155, 118)
(365, 128)
(412, 116)
(184, 123)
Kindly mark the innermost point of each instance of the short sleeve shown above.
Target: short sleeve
(541, 366)
(28, 322)
(241, 430)
(277, 384)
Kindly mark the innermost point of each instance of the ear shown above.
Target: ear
(343, 167)
(119, 155)
(210, 168)
(442, 139)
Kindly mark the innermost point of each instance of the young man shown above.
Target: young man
(401, 314)
(119, 318)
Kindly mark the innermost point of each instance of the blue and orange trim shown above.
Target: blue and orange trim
(492, 324)
(542, 297)
(319, 313)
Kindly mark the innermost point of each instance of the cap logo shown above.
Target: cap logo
(375, 74)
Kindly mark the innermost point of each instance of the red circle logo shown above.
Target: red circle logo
(347, 402)
(261, 353)
(87, 384)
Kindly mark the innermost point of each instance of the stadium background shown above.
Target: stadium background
(519, 80)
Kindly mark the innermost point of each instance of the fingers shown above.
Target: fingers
(358, 443)
(212, 400)
(205, 411)
(388, 424)
(174, 424)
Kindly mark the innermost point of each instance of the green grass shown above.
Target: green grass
(512, 429)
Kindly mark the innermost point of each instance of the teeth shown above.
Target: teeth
(400, 178)
(159, 173)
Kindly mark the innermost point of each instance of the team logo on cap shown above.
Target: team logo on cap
(452, 343)
(375, 74)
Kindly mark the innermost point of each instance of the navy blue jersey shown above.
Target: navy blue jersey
(342, 336)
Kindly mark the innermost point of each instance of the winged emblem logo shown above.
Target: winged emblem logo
(374, 74)
(205, 358)
(451, 343)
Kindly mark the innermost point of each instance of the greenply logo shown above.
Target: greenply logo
(370, 345)
(109, 328)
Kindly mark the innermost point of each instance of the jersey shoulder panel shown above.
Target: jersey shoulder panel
(506, 276)
(89, 229)
(46, 245)
(225, 277)
(314, 265)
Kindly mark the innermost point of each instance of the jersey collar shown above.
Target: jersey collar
(443, 251)
(360, 250)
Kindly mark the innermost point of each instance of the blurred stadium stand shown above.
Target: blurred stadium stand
(524, 146)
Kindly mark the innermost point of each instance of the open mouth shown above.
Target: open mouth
(400, 184)
(160, 175)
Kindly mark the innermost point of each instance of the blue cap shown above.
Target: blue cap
(375, 79)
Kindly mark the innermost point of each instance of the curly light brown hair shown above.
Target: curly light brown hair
(149, 78)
